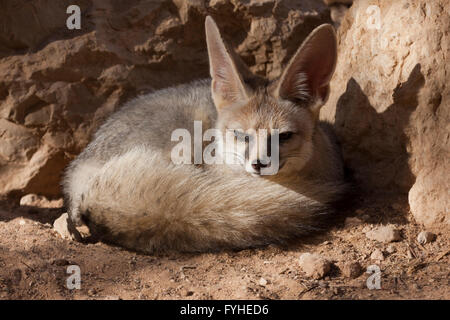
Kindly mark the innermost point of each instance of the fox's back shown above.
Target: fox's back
(150, 119)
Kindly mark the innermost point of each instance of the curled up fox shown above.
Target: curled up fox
(127, 189)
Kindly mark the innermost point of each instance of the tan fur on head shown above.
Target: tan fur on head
(293, 106)
(265, 112)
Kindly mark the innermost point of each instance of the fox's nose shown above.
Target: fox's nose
(258, 165)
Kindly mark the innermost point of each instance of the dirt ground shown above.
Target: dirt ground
(34, 261)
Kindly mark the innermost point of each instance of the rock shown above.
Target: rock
(65, 228)
(389, 102)
(425, 237)
(390, 249)
(34, 200)
(262, 282)
(351, 269)
(58, 85)
(377, 254)
(384, 234)
(30, 200)
(314, 265)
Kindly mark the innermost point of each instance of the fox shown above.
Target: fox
(126, 190)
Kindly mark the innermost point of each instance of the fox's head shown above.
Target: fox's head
(286, 108)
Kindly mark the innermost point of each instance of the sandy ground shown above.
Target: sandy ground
(34, 261)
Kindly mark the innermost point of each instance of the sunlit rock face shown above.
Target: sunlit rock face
(390, 102)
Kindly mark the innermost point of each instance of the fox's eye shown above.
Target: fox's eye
(285, 136)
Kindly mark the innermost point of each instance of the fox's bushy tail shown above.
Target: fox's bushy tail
(143, 202)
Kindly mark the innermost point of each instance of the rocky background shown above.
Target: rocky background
(390, 102)
(389, 99)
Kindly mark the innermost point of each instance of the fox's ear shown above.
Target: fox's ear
(309, 72)
(227, 85)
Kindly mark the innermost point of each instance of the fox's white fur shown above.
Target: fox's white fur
(125, 188)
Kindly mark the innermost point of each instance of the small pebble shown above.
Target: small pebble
(262, 282)
(63, 225)
(351, 269)
(314, 265)
(384, 234)
(426, 237)
(390, 249)
(377, 254)
(30, 200)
